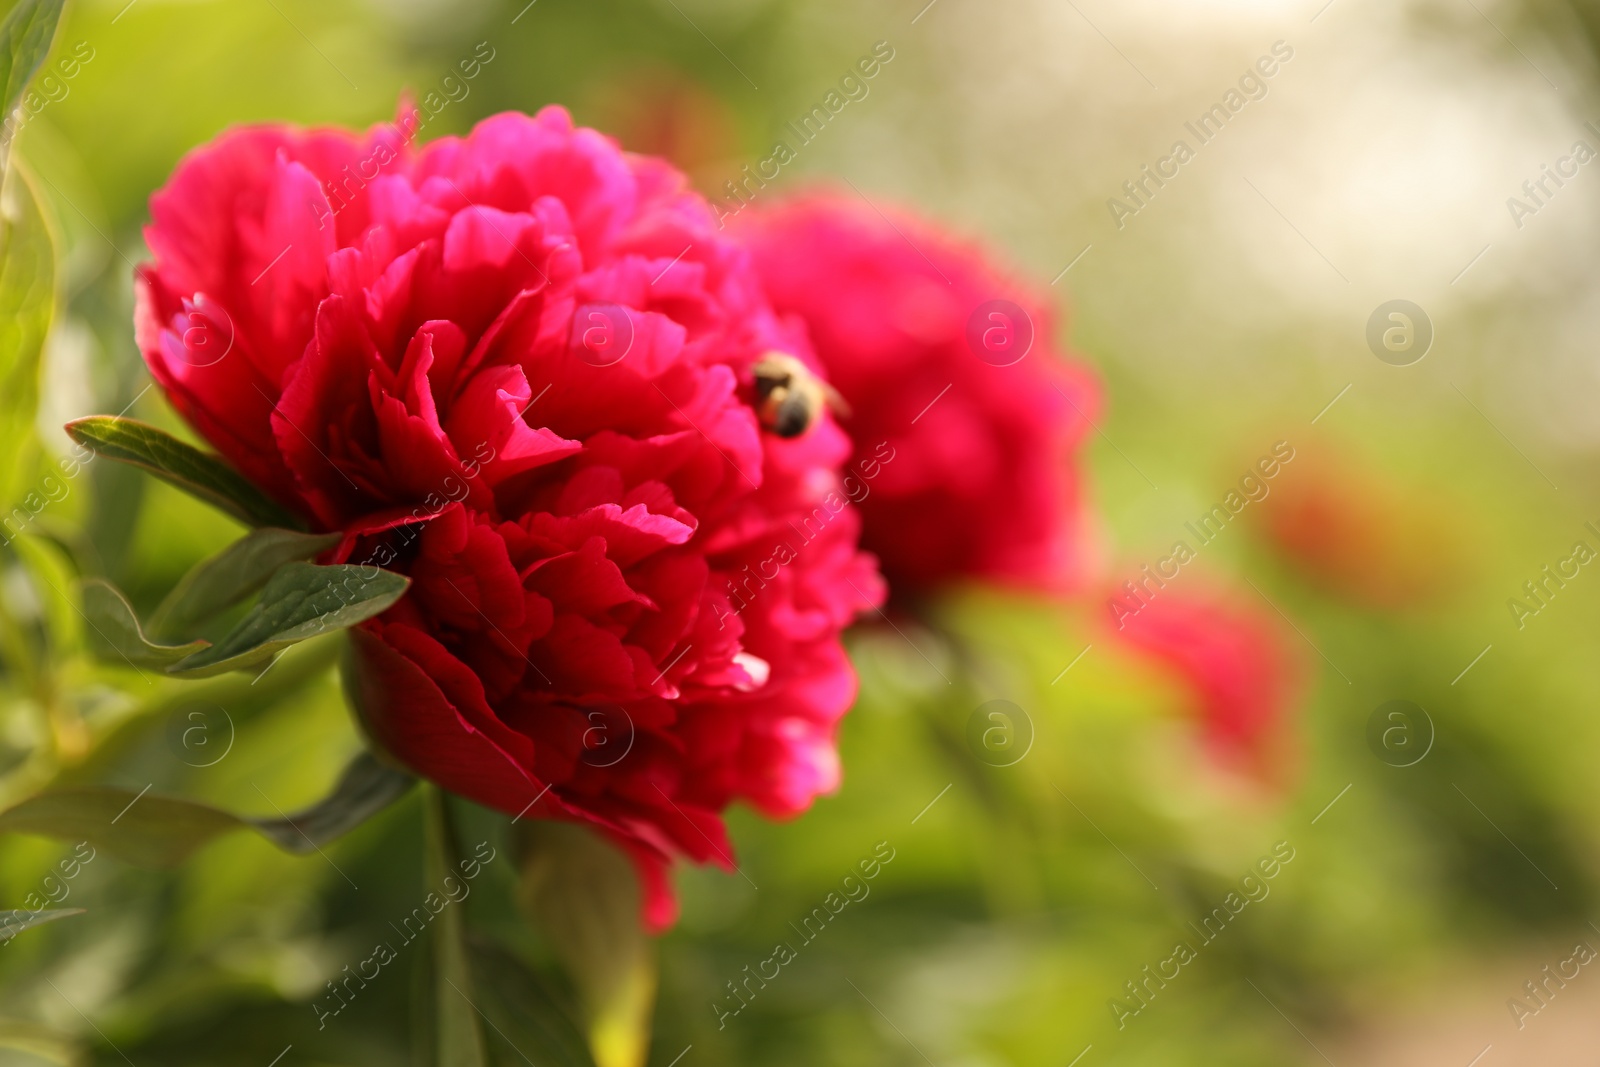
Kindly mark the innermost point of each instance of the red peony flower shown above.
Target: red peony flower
(1234, 663)
(963, 412)
(517, 367)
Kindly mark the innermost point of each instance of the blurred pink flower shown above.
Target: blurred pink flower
(1236, 665)
(949, 367)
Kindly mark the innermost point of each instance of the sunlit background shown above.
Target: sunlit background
(1226, 310)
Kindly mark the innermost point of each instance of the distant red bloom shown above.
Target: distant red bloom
(964, 413)
(517, 367)
(659, 111)
(1234, 662)
(1355, 533)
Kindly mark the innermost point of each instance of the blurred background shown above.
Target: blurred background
(1227, 308)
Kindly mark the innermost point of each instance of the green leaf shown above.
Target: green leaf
(152, 831)
(366, 788)
(15, 921)
(525, 1009)
(198, 473)
(157, 831)
(457, 1033)
(41, 1041)
(301, 600)
(27, 302)
(25, 38)
(225, 579)
(583, 896)
(114, 633)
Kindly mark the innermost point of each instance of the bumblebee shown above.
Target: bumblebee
(789, 397)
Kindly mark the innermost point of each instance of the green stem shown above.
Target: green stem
(459, 1038)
